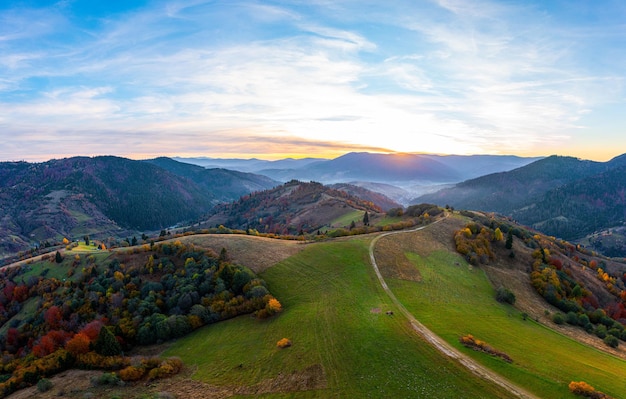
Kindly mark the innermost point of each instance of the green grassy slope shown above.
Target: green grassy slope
(454, 299)
(335, 316)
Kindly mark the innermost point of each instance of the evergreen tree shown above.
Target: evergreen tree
(106, 344)
(58, 258)
(509, 240)
(366, 219)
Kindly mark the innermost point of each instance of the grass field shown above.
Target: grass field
(334, 313)
(355, 216)
(84, 247)
(454, 299)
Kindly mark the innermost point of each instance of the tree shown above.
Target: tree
(79, 344)
(106, 344)
(53, 317)
(509, 240)
(134, 241)
(86, 238)
(65, 241)
(497, 235)
(58, 258)
(366, 219)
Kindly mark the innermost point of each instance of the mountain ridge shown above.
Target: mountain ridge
(562, 196)
(104, 195)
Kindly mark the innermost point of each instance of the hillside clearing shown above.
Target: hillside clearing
(256, 253)
(455, 299)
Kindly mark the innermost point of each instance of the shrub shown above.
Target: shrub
(478, 345)
(571, 318)
(44, 385)
(611, 341)
(558, 318)
(106, 379)
(167, 368)
(505, 295)
(581, 388)
(132, 373)
(600, 331)
(284, 343)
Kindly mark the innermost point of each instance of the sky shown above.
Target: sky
(311, 78)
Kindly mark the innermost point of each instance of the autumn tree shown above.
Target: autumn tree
(497, 234)
(78, 345)
(53, 317)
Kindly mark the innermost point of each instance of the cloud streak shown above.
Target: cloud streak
(217, 79)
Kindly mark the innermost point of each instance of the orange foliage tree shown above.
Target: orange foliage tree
(79, 344)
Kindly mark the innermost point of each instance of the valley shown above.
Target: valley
(374, 299)
(350, 338)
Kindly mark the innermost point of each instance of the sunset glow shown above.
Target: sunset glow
(283, 79)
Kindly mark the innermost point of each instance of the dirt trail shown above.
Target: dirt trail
(435, 340)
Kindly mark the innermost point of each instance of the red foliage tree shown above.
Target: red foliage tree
(13, 337)
(556, 263)
(53, 317)
(50, 342)
(20, 293)
(92, 329)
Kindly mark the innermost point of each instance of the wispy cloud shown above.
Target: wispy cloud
(197, 77)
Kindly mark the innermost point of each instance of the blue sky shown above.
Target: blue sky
(274, 79)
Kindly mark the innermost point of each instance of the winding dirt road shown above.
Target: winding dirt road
(435, 340)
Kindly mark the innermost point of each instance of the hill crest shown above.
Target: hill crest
(292, 208)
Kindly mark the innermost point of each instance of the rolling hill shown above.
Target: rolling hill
(561, 196)
(107, 196)
(292, 208)
(350, 338)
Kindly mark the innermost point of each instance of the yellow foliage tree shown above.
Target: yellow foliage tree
(65, 241)
(274, 306)
(581, 388)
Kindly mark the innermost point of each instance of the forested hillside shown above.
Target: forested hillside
(107, 196)
(292, 208)
(561, 196)
(54, 313)
(224, 184)
(588, 289)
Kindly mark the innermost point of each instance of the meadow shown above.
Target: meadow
(335, 315)
(454, 299)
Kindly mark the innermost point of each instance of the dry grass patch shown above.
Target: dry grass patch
(256, 253)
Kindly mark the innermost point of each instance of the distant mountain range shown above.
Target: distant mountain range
(110, 196)
(371, 167)
(560, 196)
(398, 176)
